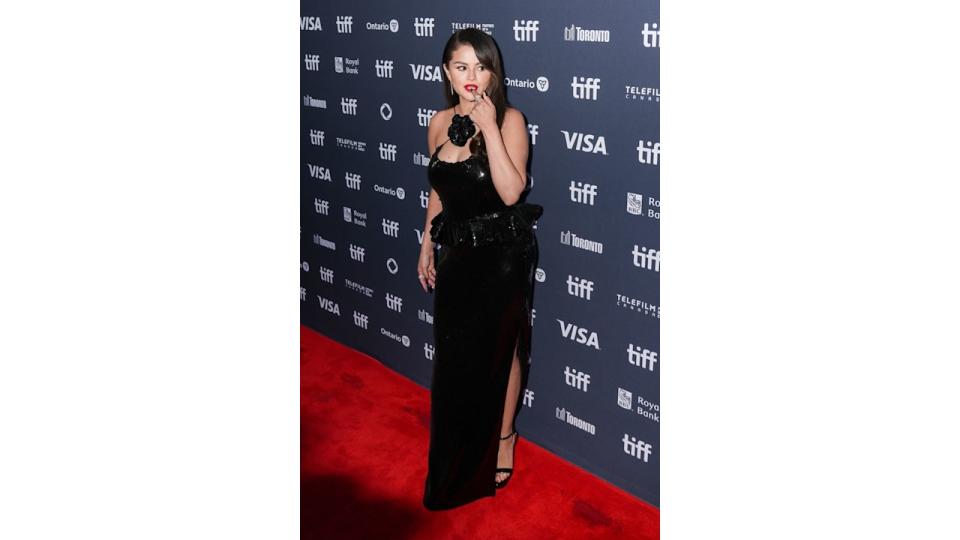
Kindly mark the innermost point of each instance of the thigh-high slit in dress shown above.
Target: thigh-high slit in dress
(482, 314)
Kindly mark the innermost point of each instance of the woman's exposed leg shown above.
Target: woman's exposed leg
(505, 456)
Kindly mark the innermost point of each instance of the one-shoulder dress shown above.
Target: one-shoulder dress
(482, 313)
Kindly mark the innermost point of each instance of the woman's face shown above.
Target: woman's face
(466, 74)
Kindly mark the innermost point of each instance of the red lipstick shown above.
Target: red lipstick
(470, 87)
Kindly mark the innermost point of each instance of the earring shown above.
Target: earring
(451, 89)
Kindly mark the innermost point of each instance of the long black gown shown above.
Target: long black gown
(482, 311)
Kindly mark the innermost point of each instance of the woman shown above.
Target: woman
(483, 277)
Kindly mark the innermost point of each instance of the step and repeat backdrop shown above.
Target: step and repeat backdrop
(586, 75)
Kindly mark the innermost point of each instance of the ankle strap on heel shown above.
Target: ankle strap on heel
(508, 436)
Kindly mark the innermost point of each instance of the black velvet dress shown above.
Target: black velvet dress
(482, 304)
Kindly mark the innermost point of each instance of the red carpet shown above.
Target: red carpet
(364, 432)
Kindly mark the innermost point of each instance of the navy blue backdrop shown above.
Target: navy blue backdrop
(586, 76)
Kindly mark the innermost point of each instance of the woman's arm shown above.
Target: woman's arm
(507, 151)
(433, 203)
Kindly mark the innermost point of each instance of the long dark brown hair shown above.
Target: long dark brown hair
(488, 53)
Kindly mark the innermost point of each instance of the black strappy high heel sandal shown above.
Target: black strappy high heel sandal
(509, 471)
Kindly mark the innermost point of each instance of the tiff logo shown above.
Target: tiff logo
(525, 30)
(348, 106)
(390, 227)
(646, 258)
(394, 302)
(579, 287)
(528, 396)
(585, 88)
(424, 116)
(648, 152)
(321, 206)
(316, 137)
(576, 379)
(357, 253)
(360, 319)
(533, 129)
(326, 275)
(384, 68)
(388, 151)
(423, 26)
(644, 358)
(424, 198)
(428, 351)
(352, 180)
(311, 62)
(651, 35)
(303, 294)
(582, 193)
(344, 24)
(636, 448)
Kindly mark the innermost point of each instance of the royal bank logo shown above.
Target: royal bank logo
(576, 33)
(651, 35)
(483, 27)
(392, 26)
(577, 379)
(310, 23)
(309, 101)
(524, 30)
(348, 66)
(582, 336)
(319, 173)
(641, 358)
(585, 87)
(388, 152)
(305, 266)
(648, 152)
(383, 68)
(353, 216)
(583, 193)
(348, 106)
(568, 238)
(646, 258)
(350, 144)
(424, 116)
(321, 206)
(533, 129)
(311, 62)
(579, 287)
(540, 275)
(360, 319)
(423, 72)
(644, 407)
(316, 137)
(423, 26)
(352, 180)
(641, 93)
(428, 351)
(635, 206)
(357, 253)
(637, 448)
(329, 305)
(358, 287)
(585, 142)
(344, 24)
(541, 84)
